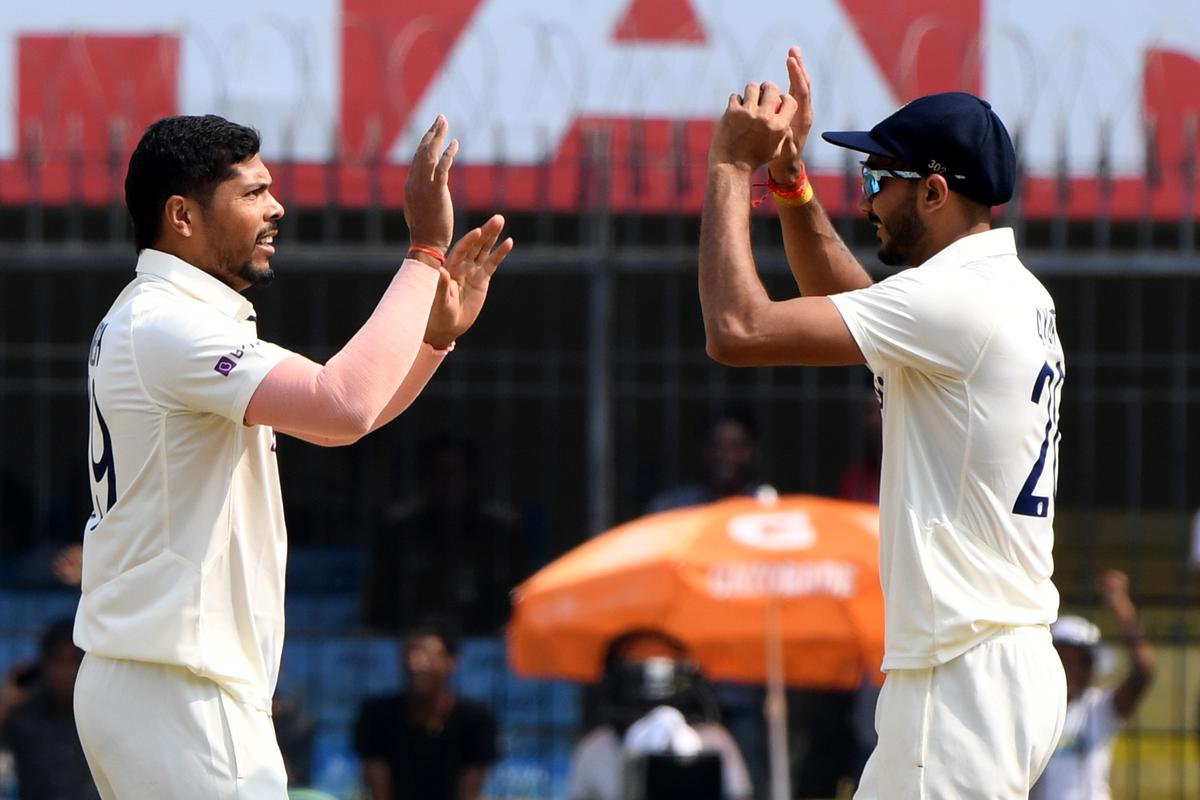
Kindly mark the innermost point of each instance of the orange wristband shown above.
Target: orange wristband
(799, 198)
(432, 252)
(796, 193)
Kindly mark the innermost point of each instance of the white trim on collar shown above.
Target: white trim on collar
(195, 282)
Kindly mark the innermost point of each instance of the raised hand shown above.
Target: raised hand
(463, 284)
(754, 127)
(428, 209)
(785, 167)
(68, 565)
(1113, 587)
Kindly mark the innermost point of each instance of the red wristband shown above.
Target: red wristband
(432, 252)
(793, 189)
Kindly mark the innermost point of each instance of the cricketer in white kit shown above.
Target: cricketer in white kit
(970, 371)
(182, 612)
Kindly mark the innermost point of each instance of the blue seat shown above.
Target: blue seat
(325, 569)
(30, 610)
(528, 777)
(336, 614)
(16, 648)
(333, 675)
(336, 767)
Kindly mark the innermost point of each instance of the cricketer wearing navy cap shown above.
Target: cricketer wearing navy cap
(953, 134)
(969, 369)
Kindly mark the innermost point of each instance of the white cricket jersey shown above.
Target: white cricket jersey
(966, 354)
(184, 554)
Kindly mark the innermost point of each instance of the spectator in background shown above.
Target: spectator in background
(644, 670)
(37, 722)
(1079, 768)
(445, 553)
(425, 742)
(730, 461)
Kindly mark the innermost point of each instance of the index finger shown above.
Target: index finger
(750, 95)
(491, 232)
(497, 256)
(770, 96)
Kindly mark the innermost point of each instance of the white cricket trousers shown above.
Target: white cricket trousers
(979, 727)
(159, 732)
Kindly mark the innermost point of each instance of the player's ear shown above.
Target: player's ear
(178, 215)
(934, 192)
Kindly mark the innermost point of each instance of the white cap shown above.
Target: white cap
(1075, 631)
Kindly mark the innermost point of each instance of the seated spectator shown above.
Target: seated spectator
(729, 457)
(644, 670)
(445, 553)
(425, 742)
(37, 722)
(1079, 768)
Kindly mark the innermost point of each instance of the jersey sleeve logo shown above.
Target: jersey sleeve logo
(227, 362)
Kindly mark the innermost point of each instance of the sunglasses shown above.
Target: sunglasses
(871, 178)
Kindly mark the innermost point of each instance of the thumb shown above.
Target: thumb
(445, 283)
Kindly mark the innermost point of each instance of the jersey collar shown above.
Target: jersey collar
(976, 247)
(195, 282)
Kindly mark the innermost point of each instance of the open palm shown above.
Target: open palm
(464, 281)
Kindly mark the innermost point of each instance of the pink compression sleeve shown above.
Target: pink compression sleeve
(343, 399)
(428, 360)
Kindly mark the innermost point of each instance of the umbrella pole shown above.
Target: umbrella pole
(776, 708)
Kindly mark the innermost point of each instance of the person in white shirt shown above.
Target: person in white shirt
(1082, 760)
(181, 614)
(969, 369)
(643, 671)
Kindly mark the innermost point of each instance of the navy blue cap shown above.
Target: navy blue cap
(954, 134)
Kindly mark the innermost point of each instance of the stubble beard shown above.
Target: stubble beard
(240, 264)
(255, 276)
(905, 232)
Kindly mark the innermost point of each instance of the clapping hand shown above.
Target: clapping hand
(428, 209)
(463, 282)
(754, 128)
(785, 167)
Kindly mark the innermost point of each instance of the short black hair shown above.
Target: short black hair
(738, 414)
(187, 156)
(442, 629)
(615, 652)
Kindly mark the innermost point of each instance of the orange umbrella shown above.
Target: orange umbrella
(717, 577)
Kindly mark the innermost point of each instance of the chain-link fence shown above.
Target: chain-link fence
(585, 382)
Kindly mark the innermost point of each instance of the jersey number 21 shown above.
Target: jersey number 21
(1028, 503)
